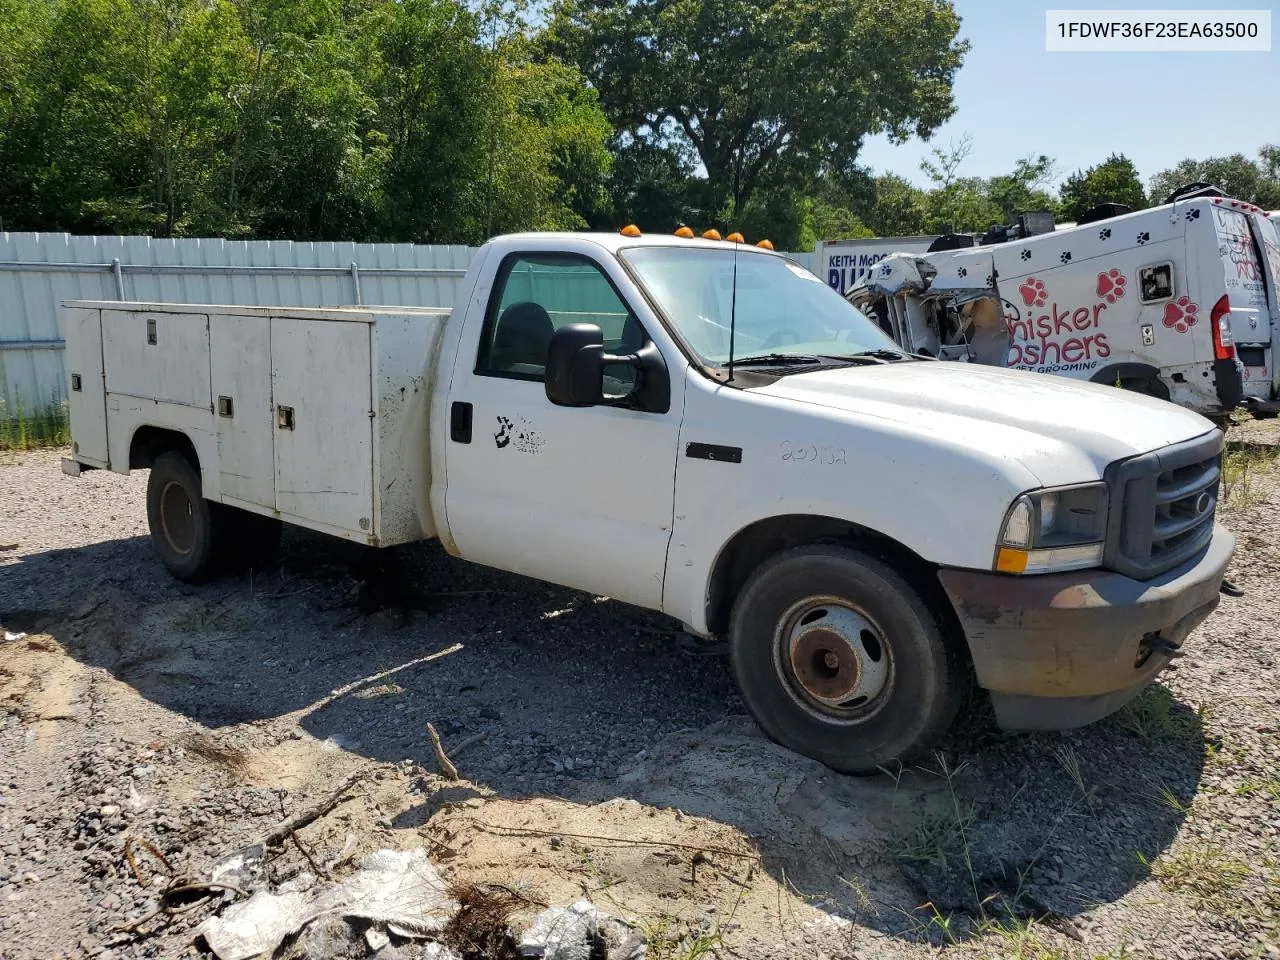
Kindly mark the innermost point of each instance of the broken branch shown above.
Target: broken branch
(470, 741)
(282, 830)
(446, 765)
(382, 675)
(622, 841)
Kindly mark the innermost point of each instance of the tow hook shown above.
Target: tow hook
(1152, 644)
(1165, 646)
(1230, 589)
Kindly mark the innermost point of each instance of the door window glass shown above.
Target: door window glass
(534, 296)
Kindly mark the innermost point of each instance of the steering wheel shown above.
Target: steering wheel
(777, 339)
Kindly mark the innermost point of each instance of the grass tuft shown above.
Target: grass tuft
(1205, 874)
(23, 429)
(668, 939)
(1151, 716)
(1241, 464)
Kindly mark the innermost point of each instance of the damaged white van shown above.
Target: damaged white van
(1178, 302)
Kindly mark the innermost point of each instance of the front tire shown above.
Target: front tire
(185, 527)
(839, 659)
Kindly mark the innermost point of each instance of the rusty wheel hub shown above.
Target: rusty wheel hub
(834, 657)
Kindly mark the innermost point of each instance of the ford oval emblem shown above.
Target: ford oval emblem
(1203, 502)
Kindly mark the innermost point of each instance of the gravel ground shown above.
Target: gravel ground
(139, 709)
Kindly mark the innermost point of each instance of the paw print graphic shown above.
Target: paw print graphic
(1026, 254)
(1111, 285)
(1193, 213)
(1143, 237)
(987, 281)
(886, 270)
(503, 436)
(1104, 233)
(1181, 314)
(1066, 256)
(963, 272)
(1033, 292)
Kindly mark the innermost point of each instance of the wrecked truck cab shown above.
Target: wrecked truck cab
(703, 429)
(946, 315)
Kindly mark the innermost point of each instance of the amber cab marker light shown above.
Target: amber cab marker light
(712, 234)
(685, 232)
(630, 230)
(768, 245)
(736, 238)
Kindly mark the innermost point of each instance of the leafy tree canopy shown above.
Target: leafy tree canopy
(1115, 180)
(765, 92)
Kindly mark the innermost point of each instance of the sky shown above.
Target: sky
(1015, 99)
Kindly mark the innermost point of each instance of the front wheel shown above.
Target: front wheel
(839, 659)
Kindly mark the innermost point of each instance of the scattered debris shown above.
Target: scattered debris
(581, 932)
(398, 890)
(12, 637)
(481, 927)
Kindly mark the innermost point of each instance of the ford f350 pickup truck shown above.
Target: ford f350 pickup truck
(702, 428)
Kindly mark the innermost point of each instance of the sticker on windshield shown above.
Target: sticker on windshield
(802, 273)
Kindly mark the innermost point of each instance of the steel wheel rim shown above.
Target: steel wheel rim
(177, 518)
(833, 659)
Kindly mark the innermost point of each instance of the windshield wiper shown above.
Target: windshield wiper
(886, 355)
(776, 360)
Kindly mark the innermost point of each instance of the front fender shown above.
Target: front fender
(942, 495)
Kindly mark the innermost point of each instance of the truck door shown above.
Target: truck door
(1245, 279)
(1269, 236)
(577, 496)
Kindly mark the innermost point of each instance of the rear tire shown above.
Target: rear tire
(839, 659)
(186, 529)
(1151, 386)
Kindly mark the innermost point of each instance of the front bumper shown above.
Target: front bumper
(1063, 650)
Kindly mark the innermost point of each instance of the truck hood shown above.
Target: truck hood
(1035, 418)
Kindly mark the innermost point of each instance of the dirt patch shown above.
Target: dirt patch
(602, 758)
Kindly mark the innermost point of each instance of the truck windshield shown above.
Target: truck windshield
(781, 308)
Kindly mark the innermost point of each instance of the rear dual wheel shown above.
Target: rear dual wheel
(195, 538)
(840, 659)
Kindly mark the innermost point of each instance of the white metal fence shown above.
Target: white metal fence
(40, 270)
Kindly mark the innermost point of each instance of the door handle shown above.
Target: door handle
(460, 422)
(284, 417)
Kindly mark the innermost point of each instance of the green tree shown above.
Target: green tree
(1025, 189)
(897, 208)
(301, 119)
(957, 204)
(1113, 181)
(652, 186)
(765, 91)
(1236, 175)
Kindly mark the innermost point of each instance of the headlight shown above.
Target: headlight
(1058, 528)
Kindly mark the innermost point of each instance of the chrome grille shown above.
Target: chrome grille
(1163, 506)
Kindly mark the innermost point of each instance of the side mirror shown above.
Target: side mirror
(575, 366)
(575, 371)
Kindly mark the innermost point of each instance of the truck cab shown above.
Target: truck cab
(705, 429)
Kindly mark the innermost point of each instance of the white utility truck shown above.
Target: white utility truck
(1178, 301)
(701, 428)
